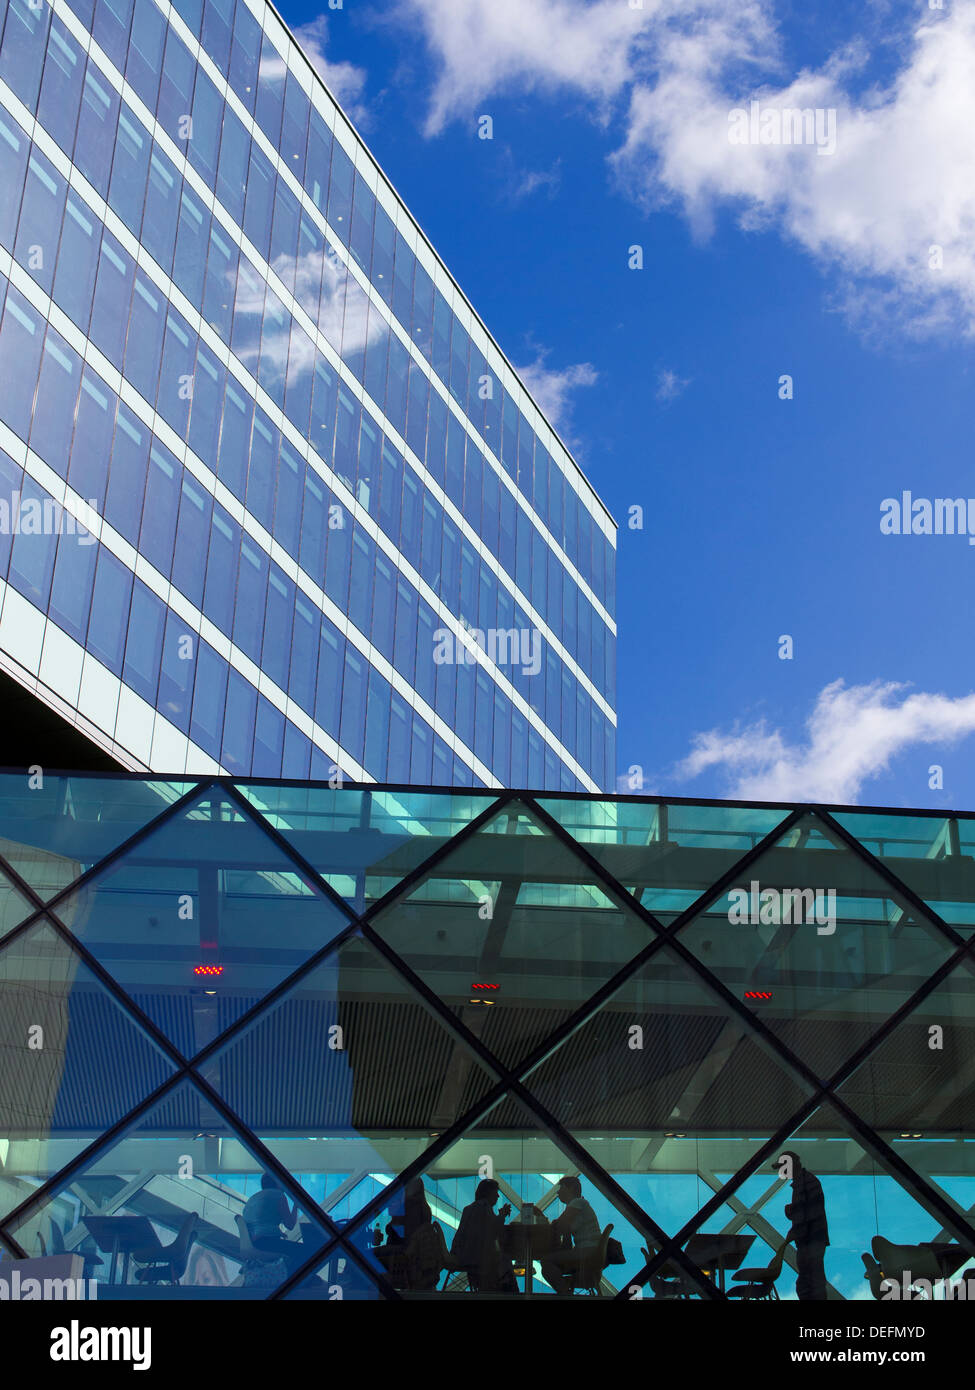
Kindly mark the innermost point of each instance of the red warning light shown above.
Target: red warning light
(208, 970)
(482, 986)
(758, 994)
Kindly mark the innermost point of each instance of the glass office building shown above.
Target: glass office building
(272, 501)
(373, 999)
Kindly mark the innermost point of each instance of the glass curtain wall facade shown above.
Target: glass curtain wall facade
(373, 1000)
(273, 501)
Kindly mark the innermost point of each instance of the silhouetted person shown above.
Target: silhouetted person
(808, 1229)
(476, 1246)
(577, 1225)
(264, 1214)
(408, 1211)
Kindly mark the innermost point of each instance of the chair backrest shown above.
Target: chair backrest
(248, 1251)
(178, 1252)
(590, 1268)
(896, 1260)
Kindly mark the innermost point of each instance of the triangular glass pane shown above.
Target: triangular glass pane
(137, 1196)
(919, 1081)
(53, 829)
(15, 907)
(74, 1061)
(364, 842)
(933, 855)
(662, 1085)
(817, 944)
(508, 1246)
(512, 932)
(667, 854)
(347, 1077)
(201, 919)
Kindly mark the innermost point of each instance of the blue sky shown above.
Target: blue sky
(761, 515)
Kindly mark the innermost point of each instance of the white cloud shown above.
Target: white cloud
(345, 81)
(552, 389)
(852, 736)
(901, 180)
(670, 385)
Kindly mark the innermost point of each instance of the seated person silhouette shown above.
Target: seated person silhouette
(264, 1214)
(578, 1230)
(408, 1211)
(476, 1246)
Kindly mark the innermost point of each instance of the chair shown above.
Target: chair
(670, 1281)
(86, 1248)
(588, 1273)
(759, 1283)
(170, 1259)
(249, 1252)
(931, 1262)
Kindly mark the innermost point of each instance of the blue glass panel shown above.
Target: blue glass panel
(92, 446)
(431, 543)
(396, 383)
(418, 401)
(40, 219)
(57, 388)
(192, 530)
(143, 347)
(404, 635)
(460, 347)
(176, 672)
(191, 12)
(276, 651)
(207, 121)
(209, 699)
(127, 474)
(339, 213)
(245, 55)
(238, 408)
(376, 367)
(145, 57)
(390, 491)
(219, 281)
(161, 505)
(353, 703)
(400, 737)
(251, 593)
(232, 167)
(328, 692)
(421, 752)
(501, 755)
(318, 161)
(218, 596)
(189, 260)
(410, 519)
(259, 203)
(238, 726)
(338, 558)
(422, 333)
(130, 168)
(304, 654)
(143, 644)
(454, 467)
(162, 210)
(111, 28)
(383, 250)
(268, 740)
(270, 91)
(425, 678)
(284, 234)
(11, 482)
(440, 355)
(21, 336)
(261, 467)
(176, 380)
(363, 212)
(74, 572)
(97, 120)
(14, 147)
(273, 362)
(294, 127)
(22, 51)
(314, 520)
(113, 292)
(377, 725)
(287, 505)
(109, 610)
(360, 592)
(297, 753)
(32, 557)
(216, 32)
(384, 606)
(346, 436)
(321, 430)
(245, 338)
(209, 388)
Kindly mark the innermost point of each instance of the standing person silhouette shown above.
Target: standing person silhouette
(808, 1229)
